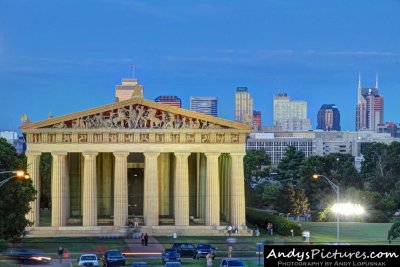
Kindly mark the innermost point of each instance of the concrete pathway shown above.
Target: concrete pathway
(153, 248)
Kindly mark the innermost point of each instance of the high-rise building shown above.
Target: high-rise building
(257, 119)
(291, 115)
(128, 89)
(206, 105)
(328, 118)
(243, 106)
(369, 109)
(15, 139)
(169, 100)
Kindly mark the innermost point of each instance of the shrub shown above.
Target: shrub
(281, 225)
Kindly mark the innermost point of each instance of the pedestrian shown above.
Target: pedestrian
(229, 230)
(271, 229)
(60, 253)
(230, 248)
(142, 239)
(236, 229)
(136, 222)
(209, 259)
(146, 239)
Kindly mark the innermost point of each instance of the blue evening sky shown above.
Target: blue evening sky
(66, 56)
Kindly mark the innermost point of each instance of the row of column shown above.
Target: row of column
(60, 189)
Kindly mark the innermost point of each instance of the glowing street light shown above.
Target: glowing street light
(18, 174)
(335, 188)
(348, 209)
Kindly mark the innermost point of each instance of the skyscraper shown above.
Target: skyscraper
(369, 109)
(257, 119)
(169, 100)
(128, 89)
(206, 105)
(328, 118)
(291, 115)
(243, 106)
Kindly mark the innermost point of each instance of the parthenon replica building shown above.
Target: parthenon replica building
(172, 169)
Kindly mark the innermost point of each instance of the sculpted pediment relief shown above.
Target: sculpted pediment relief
(136, 114)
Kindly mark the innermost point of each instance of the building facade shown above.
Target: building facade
(128, 89)
(243, 106)
(328, 118)
(369, 108)
(289, 114)
(256, 119)
(173, 169)
(207, 105)
(318, 143)
(15, 139)
(390, 127)
(169, 100)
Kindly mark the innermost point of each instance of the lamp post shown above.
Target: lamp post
(336, 189)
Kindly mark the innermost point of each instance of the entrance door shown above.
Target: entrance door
(135, 191)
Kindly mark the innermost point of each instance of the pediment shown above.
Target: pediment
(136, 113)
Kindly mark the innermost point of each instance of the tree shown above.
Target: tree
(15, 195)
(394, 232)
(270, 193)
(290, 165)
(253, 163)
(286, 196)
(300, 204)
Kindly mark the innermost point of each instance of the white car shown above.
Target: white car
(88, 260)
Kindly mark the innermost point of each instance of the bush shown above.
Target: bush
(281, 225)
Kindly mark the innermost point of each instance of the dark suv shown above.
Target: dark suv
(113, 258)
(185, 249)
(202, 250)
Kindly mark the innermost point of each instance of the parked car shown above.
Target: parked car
(202, 250)
(173, 264)
(88, 260)
(27, 256)
(232, 262)
(139, 264)
(170, 254)
(185, 249)
(113, 258)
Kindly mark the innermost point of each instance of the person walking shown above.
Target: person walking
(209, 259)
(142, 239)
(60, 253)
(146, 239)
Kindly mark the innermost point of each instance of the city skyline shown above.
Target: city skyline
(67, 59)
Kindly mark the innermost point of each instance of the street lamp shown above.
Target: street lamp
(18, 174)
(336, 189)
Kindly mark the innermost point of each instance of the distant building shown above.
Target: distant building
(129, 88)
(318, 143)
(257, 119)
(289, 114)
(390, 127)
(370, 108)
(207, 105)
(243, 106)
(15, 140)
(328, 118)
(169, 100)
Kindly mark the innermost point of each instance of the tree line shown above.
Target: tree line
(291, 190)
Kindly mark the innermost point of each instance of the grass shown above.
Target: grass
(354, 233)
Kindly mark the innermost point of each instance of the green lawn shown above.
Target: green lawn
(354, 233)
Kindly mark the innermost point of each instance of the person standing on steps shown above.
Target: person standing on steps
(146, 239)
(60, 253)
(142, 239)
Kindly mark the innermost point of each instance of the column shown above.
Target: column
(121, 188)
(33, 160)
(212, 208)
(89, 197)
(58, 190)
(181, 189)
(237, 196)
(151, 208)
(164, 183)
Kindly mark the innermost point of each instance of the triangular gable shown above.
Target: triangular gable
(136, 113)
